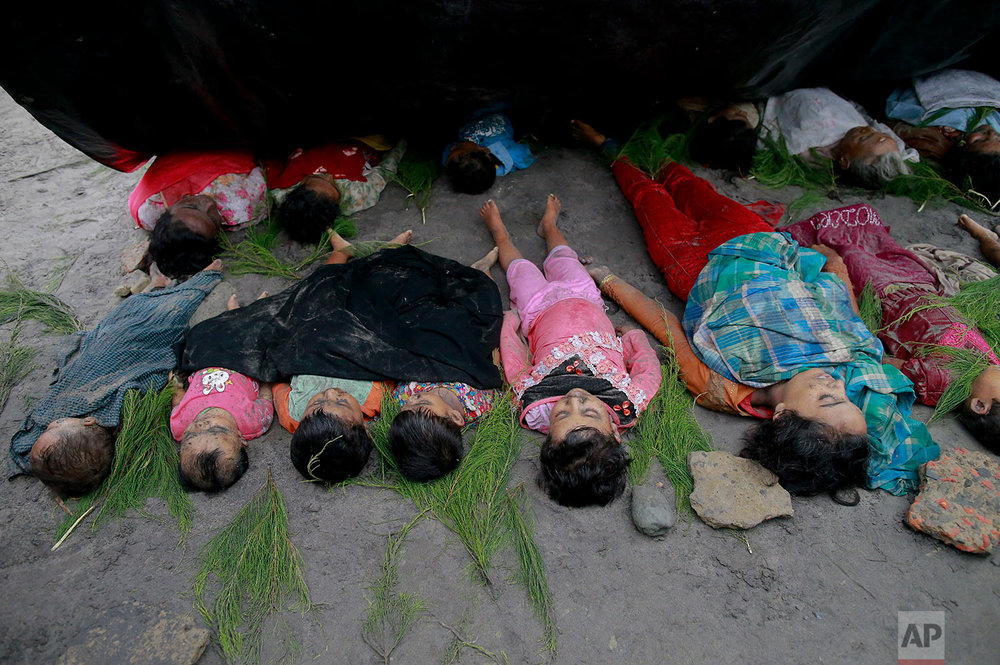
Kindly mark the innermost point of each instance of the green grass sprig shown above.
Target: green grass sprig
(668, 431)
(391, 615)
(650, 150)
(18, 303)
(475, 503)
(417, 177)
(870, 306)
(254, 254)
(964, 367)
(258, 573)
(16, 362)
(145, 465)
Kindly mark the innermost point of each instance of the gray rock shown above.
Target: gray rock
(134, 257)
(733, 492)
(137, 280)
(653, 509)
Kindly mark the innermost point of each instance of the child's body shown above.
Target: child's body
(485, 149)
(576, 379)
(67, 438)
(220, 411)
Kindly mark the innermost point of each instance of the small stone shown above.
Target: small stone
(136, 280)
(135, 257)
(733, 492)
(653, 510)
(958, 501)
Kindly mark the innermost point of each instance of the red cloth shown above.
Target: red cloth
(683, 219)
(344, 161)
(902, 282)
(180, 173)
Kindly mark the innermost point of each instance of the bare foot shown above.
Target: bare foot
(157, 280)
(586, 260)
(552, 208)
(490, 213)
(214, 265)
(338, 243)
(487, 261)
(403, 238)
(232, 303)
(975, 230)
(599, 273)
(584, 133)
(263, 294)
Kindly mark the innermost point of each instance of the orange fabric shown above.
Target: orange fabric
(371, 407)
(710, 389)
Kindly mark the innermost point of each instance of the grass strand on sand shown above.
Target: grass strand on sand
(391, 615)
(258, 573)
(668, 431)
(475, 503)
(19, 303)
(16, 361)
(964, 366)
(145, 465)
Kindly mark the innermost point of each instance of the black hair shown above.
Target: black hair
(327, 449)
(77, 462)
(306, 214)
(424, 445)
(178, 251)
(985, 428)
(208, 474)
(807, 456)
(471, 172)
(587, 468)
(979, 171)
(724, 144)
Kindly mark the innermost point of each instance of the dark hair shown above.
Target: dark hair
(306, 214)
(807, 456)
(178, 251)
(985, 428)
(587, 468)
(471, 172)
(425, 446)
(327, 449)
(208, 475)
(724, 144)
(77, 462)
(979, 171)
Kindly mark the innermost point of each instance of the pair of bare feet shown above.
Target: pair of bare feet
(505, 252)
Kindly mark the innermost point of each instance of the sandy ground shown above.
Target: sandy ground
(822, 587)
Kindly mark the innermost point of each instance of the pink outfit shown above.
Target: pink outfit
(215, 387)
(564, 318)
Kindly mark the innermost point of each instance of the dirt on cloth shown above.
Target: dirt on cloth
(824, 586)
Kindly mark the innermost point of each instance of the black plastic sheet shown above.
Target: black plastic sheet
(125, 80)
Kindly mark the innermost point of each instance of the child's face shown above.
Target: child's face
(578, 409)
(985, 390)
(463, 147)
(200, 214)
(338, 403)
(212, 429)
(322, 184)
(439, 402)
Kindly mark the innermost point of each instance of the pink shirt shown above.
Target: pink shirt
(215, 387)
(577, 326)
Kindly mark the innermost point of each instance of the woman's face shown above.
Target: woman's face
(199, 214)
(983, 140)
(863, 144)
(816, 395)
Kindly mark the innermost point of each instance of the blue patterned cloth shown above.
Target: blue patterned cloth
(762, 311)
(132, 347)
(494, 131)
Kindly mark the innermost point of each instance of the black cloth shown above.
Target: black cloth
(574, 373)
(397, 315)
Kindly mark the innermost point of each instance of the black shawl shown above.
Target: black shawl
(398, 315)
